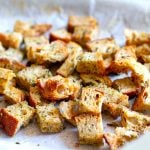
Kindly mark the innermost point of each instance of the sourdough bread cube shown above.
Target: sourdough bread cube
(54, 52)
(91, 101)
(14, 95)
(93, 79)
(70, 63)
(29, 76)
(81, 20)
(134, 37)
(83, 34)
(13, 39)
(35, 97)
(125, 86)
(15, 116)
(30, 30)
(6, 79)
(57, 88)
(69, 110)
(60, 34)
(91, 63)
(49, 118)
(106, 46)
(90, 128)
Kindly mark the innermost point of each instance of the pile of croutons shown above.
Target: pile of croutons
(66, 77)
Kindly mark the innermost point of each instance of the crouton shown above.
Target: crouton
(133, 120)
(57, 88)
(29, 76)
(31, 30)
(107, 46)
(15, 116)
(142, 102)
(126, 86)
(83, 34)
(121, 136)
(93, 79)
(51, 53)
(6, 79)
(136, 38)
(90, 128)
(49, 119)
(81, 20)
(90, 101)
(14, 95)
(13, 39)
(91, 63)
(70, 63)
(60, 34)
(69, 110)
(35, 97)
(113, 96)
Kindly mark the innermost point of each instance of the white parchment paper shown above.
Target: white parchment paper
(113, 16)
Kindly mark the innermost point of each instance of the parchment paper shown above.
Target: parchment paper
(113, 16)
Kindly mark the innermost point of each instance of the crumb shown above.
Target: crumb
(17, 142)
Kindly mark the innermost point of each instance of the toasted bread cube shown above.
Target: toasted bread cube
(91, 101)
(113, 96)
(83, 34)
(125, 86)
(6, 79)
(31, 30)
(69, 110)
(91, 63)
(51, 53)
(57, 88)
(81, 20)
(35, 97)
(70, 63)
(14, 95)
(15, 116)
(107, 46)
(49, 118)
(133, 120)
(94, 79)
(13, 39)
(136, 38)
(142, 102)
(29, 76)
(60, 34)
(121, 136)
(90, 128)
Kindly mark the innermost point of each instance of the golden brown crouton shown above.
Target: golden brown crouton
(13, 39)
(81, 20)
(6, 79)
(91, 63)
(90, 101)
(13, 95)
(83, 34)
(70, 63)
(90, 128)
(54, 52)
(30, 30)
(60, 34)
(15, 116)
(136, 38)
(49, 118)
(29, 76)
(125, 86)
(106, 46)
(94, 79)
(133, 120)
(69, 110)
(142, 102)
(58, 88)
